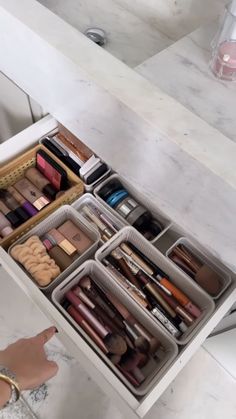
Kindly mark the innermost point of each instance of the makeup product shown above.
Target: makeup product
(94, 293)
(61, 153)
(56, 175)
(140, 342)
(62, 259)
(177, 308)
(166, 322)
(116, 253)
(76, 236)
(87, 328)
(205, 276)
(36, 261)
(96, 309)
(62, 242)
(5, 226)
(153, 342)
(117, 197)
(92, 169)
(74, 144)
(13, 205)
(158, 275)
(10, 215)
(41, 182)
(137, 294)
(28, 207)
(31, 193)
(94, 218)
(115, 343)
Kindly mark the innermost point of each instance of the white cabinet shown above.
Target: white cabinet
(132, 406)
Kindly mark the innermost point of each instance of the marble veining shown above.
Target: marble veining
(183, 72)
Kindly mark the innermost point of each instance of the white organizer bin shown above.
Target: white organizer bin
(180, 280)
(54, 220)
(89, 199)
(103, 279)
(225, 276)
(157, 214)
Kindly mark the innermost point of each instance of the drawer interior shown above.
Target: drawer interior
(134, 405)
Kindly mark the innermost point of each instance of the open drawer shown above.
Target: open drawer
(132, 406)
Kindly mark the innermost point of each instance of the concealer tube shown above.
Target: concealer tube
(41, 182)
(28, 207)
(5, 226)
(10, 215)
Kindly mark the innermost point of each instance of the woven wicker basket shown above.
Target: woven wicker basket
(14, 170)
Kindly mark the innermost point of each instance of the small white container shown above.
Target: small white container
(225, 276)
(177, 277)
(89, 199)
(54, 220)
(101, 278)
(157, 214)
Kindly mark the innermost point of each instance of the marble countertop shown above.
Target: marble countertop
(182, 71)
(73, 394)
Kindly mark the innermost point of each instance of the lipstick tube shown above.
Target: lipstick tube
(28, 207)
(87, 328)
(88, 316)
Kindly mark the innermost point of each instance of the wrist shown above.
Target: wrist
(5, 393)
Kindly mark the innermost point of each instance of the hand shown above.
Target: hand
(26, 358)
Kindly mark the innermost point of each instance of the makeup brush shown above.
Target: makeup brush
(98, 311)
(115, 343)
(116, 253)
(98, 297)
(205, 276)
(140, 342)
(154, 343)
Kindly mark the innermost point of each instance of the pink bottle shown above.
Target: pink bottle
(223, 63)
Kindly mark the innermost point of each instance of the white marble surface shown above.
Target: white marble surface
(174, 18)
(80, 74)
(74, 395)
(183, 72)
(129, 38)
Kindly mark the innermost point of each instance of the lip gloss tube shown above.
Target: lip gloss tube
(85, 312)
(28, 207)
(87, 328)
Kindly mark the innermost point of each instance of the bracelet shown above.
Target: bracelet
(15, 390)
